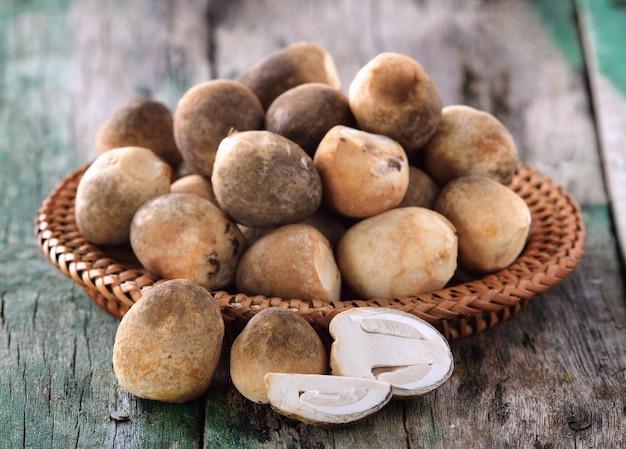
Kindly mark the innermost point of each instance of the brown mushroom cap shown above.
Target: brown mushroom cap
(168, 345)
(275, 340)
(422, 191)
(262, 179)
(306, 112)
(393, 95)
(287, 67)
(141, 122)
(205, 115)
(470, 142)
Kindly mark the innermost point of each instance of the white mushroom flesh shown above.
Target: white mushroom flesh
(326, 400)
(391, 346)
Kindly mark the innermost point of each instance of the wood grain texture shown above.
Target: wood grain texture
(603, 32)
(551, 377)
(126, 49)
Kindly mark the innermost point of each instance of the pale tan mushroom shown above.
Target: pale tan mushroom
(393, 95)
(116, 184)
(363, 174)
(400, 252)
(168, 346)
(493, 222)
(293, 261)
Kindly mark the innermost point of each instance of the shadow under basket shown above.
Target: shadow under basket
(114, 279)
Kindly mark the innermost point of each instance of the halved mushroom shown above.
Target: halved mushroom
(326, 400)
(391, 346)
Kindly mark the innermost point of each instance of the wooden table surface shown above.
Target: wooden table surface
(553, 376)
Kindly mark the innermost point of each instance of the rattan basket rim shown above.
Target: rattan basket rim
(114, 281)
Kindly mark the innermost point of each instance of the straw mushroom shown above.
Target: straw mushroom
(111, 190)
(181, 235)
(206, 113)
(168, 345)
(142, 122)
(262, 179)
(403, 251)
(362, 173)
(421, 359)
(327, 401)
(306, 112)
(493, 222)
(293, 261)
(422, 190)
(393, 95)
(470, 142)
(275, 340)
(285, 68)
(196, 184)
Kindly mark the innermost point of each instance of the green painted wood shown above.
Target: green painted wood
(607, 25)
(57, 388)
(559, 19)
(603, 31)
(530, 382)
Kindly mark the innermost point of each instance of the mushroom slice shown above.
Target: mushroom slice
(391, 346)
(326, 400)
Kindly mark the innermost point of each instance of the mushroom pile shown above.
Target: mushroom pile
(279, 184)
(307, 192)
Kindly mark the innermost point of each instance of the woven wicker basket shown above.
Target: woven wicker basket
(114, 279)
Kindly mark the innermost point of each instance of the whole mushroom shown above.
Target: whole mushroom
(285, 68)
(393, 95)
(401, 252)
(492, 221)
(293, 261)
(306, 112)
(262, 179)
(112, 189)
(363, 174)
(181, 235)
(206, 113)
(470, 142)
(142, 122)
(168, 345)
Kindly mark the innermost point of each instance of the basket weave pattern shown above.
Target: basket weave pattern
(114, 280)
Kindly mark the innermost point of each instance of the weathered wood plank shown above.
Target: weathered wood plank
(57, 388)
(124, 49)
(603, 35)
